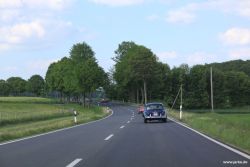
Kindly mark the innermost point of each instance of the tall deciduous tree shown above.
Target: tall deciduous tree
(36, 85)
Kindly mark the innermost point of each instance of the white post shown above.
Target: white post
(181, 105)
(75, 114)
(180, 112)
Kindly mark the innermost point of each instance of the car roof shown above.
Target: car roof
(153, 103)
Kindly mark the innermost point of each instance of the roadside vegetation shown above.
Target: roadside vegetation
(25, 116)
(231, 126)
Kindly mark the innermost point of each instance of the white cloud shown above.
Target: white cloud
(52, 4)
(182, 15)
(21, 32)
(242, 53)
(165, 56)
(10, 3)
(241, 8)
(236, 36)
(118, 2)
(188, 13)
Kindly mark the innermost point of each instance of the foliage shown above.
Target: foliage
(76, 76)
(136, 64)
(36, 85)
(17, 85)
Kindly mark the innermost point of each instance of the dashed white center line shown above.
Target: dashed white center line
(107, 138)
(128, 122)
(76, 161)
(122, 127)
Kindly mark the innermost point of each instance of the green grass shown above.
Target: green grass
(22, 116)
(26, 100)
(231, 126)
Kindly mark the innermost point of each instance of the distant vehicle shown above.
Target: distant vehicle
(154, 111)
(103, 102)
(140, 109)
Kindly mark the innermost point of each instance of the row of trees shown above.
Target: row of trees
(139, 74)
(16, 86)
(77, 76)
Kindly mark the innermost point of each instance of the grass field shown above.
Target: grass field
(231, 126)
(25, 116)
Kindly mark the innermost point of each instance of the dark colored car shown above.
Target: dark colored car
(154, 111)
(103, 102)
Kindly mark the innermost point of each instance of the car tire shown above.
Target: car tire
(145, 120)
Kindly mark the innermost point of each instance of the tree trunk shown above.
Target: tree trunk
(145, 90)
(142, 96)
(84, 101)
(137, 95)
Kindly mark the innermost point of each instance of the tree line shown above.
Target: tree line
(17, 86)
(137, 76)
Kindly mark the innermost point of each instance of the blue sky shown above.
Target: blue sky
(35, 33)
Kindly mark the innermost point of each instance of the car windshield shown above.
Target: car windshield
(154, 106)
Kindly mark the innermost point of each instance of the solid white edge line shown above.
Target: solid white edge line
(109, 137)
(76, 161)
(211, 139)
(26, 138)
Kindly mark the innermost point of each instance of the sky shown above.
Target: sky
(35, 33)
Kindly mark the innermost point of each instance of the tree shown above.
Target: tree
(4, 88)
(17, 85)
(237, 88)
(122, 50)
(197, 89)
(36, 85)
(89, 75)
(135, 67)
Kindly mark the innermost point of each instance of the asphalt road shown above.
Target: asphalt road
(122, 140)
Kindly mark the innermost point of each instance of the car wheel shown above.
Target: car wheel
(165, 120)
(145, 120)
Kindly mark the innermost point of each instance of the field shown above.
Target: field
(231, 126)
(25, 116)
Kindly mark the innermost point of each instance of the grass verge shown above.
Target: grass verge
(23, 118)
(231, 126)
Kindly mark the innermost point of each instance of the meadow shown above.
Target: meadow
(26, 116)
(231, 126)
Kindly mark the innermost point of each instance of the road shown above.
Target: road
(121, 140)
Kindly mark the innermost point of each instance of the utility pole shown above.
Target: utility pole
(211, 83)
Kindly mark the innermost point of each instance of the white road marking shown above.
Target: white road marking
(122, 127)
(128, 122)
(76, 161)
(107, 138)
(213, 140)
(31, 137)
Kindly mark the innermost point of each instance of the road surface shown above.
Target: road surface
(121, 140)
